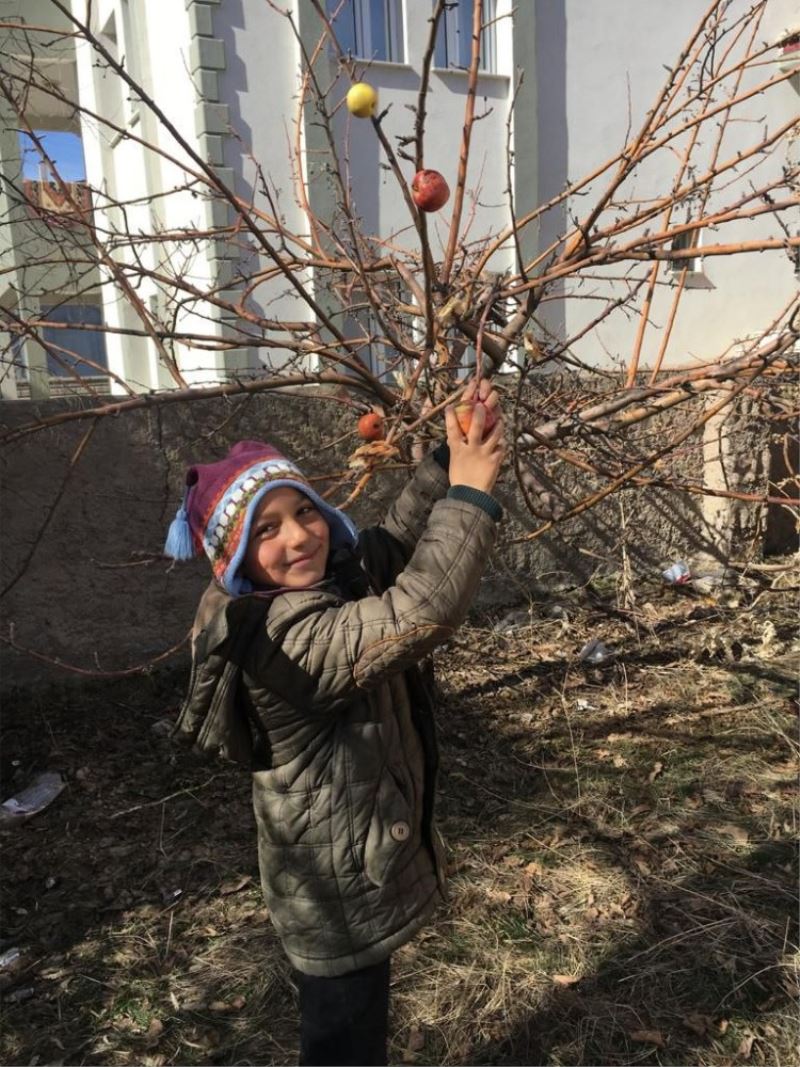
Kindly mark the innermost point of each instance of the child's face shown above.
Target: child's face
(289, 541)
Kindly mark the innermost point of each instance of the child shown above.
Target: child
(306, 665)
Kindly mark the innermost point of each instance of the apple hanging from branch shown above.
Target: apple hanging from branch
(370, 427)
(429, 190)
(362, 100)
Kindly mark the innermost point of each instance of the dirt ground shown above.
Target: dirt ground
(623, 864)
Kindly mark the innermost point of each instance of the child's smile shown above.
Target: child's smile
(289, 541)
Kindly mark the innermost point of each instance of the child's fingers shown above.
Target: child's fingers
(454, 434)
(469, 392)
(492, 400)
(495, 435)
(475, 435)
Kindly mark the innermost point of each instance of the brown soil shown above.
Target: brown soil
(623, 862)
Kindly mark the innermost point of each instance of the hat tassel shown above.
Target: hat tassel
(179, 544)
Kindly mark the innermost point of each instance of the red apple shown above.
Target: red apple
(370, 427)
(464, 412)
(429, 190)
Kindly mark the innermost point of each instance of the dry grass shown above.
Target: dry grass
(623, 882)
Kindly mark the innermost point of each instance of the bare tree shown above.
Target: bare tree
(437, 313)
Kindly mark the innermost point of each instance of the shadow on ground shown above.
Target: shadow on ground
(623, 884)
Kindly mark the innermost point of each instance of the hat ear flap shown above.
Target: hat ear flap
(179, 544)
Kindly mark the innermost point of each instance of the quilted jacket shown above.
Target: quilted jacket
(323, 691)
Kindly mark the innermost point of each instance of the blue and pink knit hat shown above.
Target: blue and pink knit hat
(219, 504)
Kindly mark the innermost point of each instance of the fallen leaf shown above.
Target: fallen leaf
(154, 1030)
(498, 896)
(649, 1037)
(235, 886)
(738, 833)
(416, 1041)
(658, 768)
(699, 1024)
(415, 1044)
(641, 866)
(746, 1046)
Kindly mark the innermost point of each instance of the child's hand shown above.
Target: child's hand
(473, 461)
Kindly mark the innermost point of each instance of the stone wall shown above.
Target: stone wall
(86, 506)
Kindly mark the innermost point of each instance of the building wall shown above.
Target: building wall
(226, 76)
(600, 67)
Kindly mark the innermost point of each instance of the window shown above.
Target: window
(369, 29)
(679, 243)
(454, 39)
(689, 270)
(58, 199)
(117, 102)
(91, 344)
(65, 149)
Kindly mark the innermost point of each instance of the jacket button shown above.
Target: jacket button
(400, 831)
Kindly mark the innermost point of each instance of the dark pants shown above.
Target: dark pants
(344, 1020)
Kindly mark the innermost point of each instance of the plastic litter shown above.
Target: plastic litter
(10, 957)
(706, 584)
(677, 573)
(42, 791)
(595, 653)
(514, 620)
(557, 611)
(16, 996)
(584, 705)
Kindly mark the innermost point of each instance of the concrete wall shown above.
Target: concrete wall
(599, 68)
(81, 576)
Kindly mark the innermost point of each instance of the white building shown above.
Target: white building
(226, 75)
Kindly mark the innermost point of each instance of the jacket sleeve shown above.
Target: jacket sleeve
(408, 515)
(387, 547)
(317, 651)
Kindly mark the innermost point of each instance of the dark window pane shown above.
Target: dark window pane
(440, 50)
(90, 344)
(344, 24)
(464, 32)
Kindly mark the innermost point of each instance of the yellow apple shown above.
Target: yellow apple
(362, 100)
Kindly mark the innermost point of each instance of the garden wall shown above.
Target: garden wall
(81, 576)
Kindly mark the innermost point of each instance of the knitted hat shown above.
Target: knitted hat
(219, 504)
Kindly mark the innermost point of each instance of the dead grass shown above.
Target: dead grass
(623, 867)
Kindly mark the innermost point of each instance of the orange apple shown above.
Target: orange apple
(429, 190)
(370, 427)
(464, 412)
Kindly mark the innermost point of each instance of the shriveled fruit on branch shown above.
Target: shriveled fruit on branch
(466, 409)
(429, 190)
(362, 100)
(370, 427)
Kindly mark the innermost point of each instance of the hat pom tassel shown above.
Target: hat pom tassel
(179, 543)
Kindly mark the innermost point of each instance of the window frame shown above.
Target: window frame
(684, 241)
(363, 45)
(96, 339)
(451, 41)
